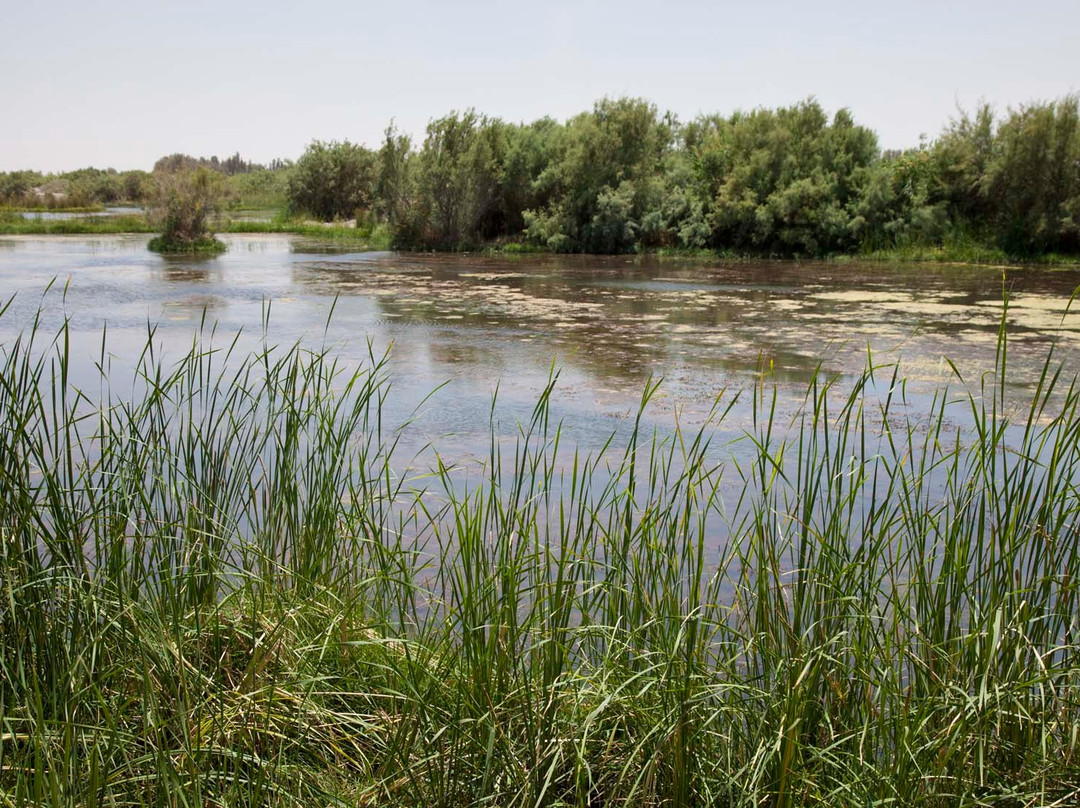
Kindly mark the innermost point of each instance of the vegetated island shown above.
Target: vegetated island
(624, 177)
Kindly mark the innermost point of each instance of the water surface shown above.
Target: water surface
(464, 325)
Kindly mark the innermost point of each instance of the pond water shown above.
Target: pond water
(464, 325)
(60, 215)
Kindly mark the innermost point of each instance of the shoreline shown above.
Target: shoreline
(380, 238)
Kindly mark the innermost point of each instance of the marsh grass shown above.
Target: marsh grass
(13, 224)
(376, 236)
(217, 589)
(205, 244)
(53, 208)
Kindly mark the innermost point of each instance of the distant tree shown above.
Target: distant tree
(395, 187)
(600, 182)
(15, 186)
(333, 180)
(961, 157)
(784, 181)
(1032, 181)
(136, 185)
(176, 162)
(459, 169)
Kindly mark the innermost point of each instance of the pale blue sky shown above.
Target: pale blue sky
(120, 83)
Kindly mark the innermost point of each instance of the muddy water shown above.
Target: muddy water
(465, 325)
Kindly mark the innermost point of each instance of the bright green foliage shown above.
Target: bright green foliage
(458, 172)
(530, 149)
(895, 206)
(396, 185)
(784, 181)
(624, 177)
(599, 181)
(217, 589)
(333, 181)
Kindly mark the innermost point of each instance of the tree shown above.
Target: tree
(785, 180)
(1032, 181)
(333, 180)
(183, 205)
(599, 183)
(459, 170)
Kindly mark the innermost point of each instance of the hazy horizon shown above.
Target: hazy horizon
(121, 86)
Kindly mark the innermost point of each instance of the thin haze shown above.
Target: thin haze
(122, 83)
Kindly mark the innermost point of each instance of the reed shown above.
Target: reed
(218, 588)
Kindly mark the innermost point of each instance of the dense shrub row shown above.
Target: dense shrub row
(625, 176)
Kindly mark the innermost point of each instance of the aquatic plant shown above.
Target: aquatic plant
(219, 585)
(183, 207)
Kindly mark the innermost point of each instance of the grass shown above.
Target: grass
(12, 224)
(971, 254)
(217, 590)
(379, 237)
(203, 244)
(56, 208)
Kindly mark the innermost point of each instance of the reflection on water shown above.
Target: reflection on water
(609, 324)
(194, 268)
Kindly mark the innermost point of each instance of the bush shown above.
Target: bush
(333, 180)
(183, 206)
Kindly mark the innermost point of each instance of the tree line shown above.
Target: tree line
(789, 181)
(245, 182)
(625, 176)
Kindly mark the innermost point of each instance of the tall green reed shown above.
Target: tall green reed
(220, 586)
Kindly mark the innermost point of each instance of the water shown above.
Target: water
(60, 215)
(464, 326)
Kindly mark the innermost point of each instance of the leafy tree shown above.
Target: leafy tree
(598, 181)
(458, 173)
(396, 184)
(333, 180)
(784, 181)
(183, 206)
(1032, 181)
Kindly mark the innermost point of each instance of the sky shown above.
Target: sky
(86, 82)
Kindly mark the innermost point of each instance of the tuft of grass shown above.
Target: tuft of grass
(217, 588)
(377, 236)
(90, 225)
(205, 244)
(53, 208)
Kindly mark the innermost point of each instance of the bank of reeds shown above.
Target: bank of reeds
(14, 224)
(217, 590)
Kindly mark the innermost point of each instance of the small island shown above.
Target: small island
(183, 205)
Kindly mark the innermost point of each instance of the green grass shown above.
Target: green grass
(97, 225)
(377, 237)
(203, 244)
(55, 208)
(968, 254)
(217, 589)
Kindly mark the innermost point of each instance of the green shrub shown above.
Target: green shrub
(333, 180)
(183, 206)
